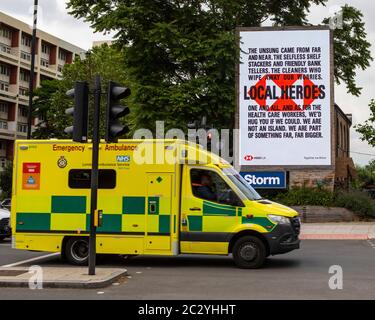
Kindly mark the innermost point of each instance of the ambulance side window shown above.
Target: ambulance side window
(208, 185)
(81, 179)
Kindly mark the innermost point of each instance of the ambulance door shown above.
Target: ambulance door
(158, 211)
(210, 211)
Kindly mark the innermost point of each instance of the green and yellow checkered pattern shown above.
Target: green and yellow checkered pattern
(120, 215)
(215, 217)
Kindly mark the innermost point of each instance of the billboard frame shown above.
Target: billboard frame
(331, 166)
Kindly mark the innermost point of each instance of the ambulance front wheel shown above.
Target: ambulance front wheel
(249, 252)
(77, 251)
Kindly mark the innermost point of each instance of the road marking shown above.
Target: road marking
(31, 260)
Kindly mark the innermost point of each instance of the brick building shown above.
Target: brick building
(15, 55)
(343, 170)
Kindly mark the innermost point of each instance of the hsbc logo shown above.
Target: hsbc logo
(248, 157)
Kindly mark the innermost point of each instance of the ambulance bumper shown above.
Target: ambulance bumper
(282, 239)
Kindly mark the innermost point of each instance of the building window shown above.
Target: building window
(4, 125)
(5, 48)
(44, 62)
(3, 145)
(81, 179)
(26, 41)
(22, 111)
(24, 75)
(25, 56)
(23, 91)
(3, 107)
(62, 55)
(4, 70)
(22, 127)
(6, 33)
(41, 116)
(46, 49)
(4, 86)
(341, 137)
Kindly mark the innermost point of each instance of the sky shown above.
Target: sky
(53, 18)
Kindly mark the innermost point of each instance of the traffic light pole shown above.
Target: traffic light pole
(79, 130)
(94, 176)
(32, 65)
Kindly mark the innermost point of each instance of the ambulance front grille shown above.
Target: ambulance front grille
(296, 225)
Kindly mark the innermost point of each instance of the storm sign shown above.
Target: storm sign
(284, 97)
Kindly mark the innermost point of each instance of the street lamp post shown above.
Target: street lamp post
(31, 80)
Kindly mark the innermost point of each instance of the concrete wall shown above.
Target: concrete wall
(324, 214)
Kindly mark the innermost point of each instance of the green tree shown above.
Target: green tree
(365, 175)
(367, 130)
(181, 54)
(51, 100)
(352, 50)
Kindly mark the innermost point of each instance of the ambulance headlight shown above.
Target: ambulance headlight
(279, 219)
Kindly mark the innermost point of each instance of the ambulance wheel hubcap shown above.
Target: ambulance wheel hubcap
(248, 251)
(80, 250)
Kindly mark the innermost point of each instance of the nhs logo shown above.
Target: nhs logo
(122, 158)
(265, 179)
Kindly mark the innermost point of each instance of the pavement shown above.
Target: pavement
(15, 271)
(58, 277)
(338, 231)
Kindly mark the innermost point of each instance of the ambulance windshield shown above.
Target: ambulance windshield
(241, 184)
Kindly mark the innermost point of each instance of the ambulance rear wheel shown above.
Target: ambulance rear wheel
(77, 251)
(249, 252)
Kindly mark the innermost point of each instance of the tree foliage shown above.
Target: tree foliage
(51, 100)
(365, 175)
(181, 54)
(352, 50)
(367, 130)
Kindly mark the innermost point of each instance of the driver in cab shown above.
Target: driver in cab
(205, 189)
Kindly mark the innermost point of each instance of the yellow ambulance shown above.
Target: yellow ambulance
(158, 197)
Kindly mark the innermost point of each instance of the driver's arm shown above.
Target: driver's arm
(205, 193)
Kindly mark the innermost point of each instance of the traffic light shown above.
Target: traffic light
(115, 110)
(79, 112)
(209, 140)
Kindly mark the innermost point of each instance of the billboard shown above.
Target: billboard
(284, 97)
